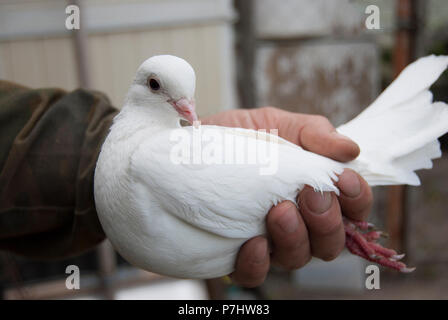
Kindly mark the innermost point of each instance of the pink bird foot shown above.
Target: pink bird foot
(361, 239)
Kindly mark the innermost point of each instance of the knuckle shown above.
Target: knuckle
(268, 108)
(317, 118)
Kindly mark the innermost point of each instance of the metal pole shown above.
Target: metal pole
(80, 44)
(403, 54)
(245, 48)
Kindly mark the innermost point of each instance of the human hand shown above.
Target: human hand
(317, 230)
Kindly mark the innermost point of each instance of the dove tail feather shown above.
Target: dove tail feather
(398, 133)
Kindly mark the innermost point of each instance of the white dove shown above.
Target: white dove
(189, 220)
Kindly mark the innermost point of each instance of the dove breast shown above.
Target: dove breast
(189, 219)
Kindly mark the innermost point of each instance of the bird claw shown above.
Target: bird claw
(365, 245)
(397, 257)
(407, 270)
(362, 225)
(383, 234)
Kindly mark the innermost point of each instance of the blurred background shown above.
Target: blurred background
(305, 56)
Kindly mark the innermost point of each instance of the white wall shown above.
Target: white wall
(36, 50)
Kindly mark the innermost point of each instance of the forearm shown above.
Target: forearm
(50, 140)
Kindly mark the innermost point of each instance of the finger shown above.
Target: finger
(319, 136)
(322, 215)
(252, 264)
(291, 249)
(356, 196)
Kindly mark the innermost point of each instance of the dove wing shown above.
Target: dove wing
(227, 199)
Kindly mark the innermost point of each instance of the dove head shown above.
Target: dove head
(165, 84)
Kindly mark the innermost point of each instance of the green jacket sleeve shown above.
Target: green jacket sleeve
(49, 143)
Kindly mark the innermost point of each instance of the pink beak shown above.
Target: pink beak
(186, 109)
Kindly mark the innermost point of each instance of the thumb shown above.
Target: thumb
(319, 136)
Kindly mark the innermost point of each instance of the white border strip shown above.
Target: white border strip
(48, 17)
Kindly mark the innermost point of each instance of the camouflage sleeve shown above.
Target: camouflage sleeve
(49, 144)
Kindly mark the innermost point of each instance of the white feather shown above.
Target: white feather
(189, 220)
(398, 133)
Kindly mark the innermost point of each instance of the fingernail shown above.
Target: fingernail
(260, 251)
(318, 202)
(349, 184)
(288, 222)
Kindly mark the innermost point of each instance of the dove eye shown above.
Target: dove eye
(153, 84)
